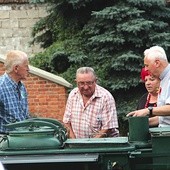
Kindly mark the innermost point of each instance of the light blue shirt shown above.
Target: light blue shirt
(164, 95)
(13, 102)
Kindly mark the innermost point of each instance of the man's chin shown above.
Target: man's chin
(23, 78)
(87, 94)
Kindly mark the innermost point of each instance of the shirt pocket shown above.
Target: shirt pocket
(95, 123)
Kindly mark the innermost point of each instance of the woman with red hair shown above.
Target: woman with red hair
(149, 99)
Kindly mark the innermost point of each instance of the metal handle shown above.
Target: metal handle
(31, 124)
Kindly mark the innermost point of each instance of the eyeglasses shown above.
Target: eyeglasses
(88, 83)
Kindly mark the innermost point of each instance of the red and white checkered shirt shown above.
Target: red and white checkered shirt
(98, 113)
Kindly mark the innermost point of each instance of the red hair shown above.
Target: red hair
(143, 74)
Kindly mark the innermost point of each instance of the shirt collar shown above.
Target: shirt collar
(96, 94)
(166, 70)
(11, 81)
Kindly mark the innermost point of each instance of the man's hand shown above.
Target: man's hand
(137, 113)
(70, 131)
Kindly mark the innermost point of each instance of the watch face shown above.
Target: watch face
(150, 107)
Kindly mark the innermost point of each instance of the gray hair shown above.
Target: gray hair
(83, 70)
(13, 58)
(155, 52)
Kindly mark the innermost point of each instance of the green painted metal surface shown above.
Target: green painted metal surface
(34, 134)
(161, 147)
(43, 144)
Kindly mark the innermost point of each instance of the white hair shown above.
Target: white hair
(155, 52)
(83, 70)
(14, 57)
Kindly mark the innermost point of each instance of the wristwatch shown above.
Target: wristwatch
(150, 108)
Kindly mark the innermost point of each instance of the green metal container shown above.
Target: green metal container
(34, 134)
(113, 152)
(139, 130)
(42, 144)
(141, 157)
(161, 147)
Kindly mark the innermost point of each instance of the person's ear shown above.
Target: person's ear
(157, 63)
(15, 68)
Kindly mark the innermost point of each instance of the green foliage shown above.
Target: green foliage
(147, 3)
(43, 59)
(37, 1)
(109, 36)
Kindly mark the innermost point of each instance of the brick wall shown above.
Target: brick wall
(46, 98)
(16, 23)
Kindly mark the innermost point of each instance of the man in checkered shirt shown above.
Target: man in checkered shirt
(13, 94)
(90, 109)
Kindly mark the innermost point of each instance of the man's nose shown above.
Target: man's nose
(85, 86)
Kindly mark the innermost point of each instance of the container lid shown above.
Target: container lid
(97, 142)
(160, 131)
(35, 131)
